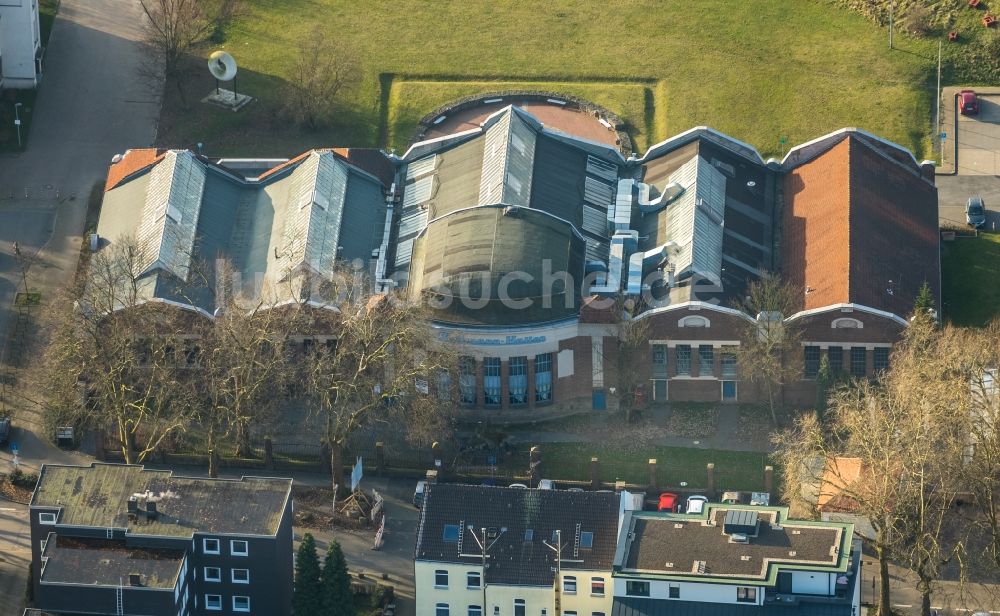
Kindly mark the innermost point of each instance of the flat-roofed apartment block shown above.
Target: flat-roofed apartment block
(735, 560)
(617, 560)
(520, 238)
(518, 529)
(122, 540)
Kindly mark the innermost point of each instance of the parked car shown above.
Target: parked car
(975, 212)
(696, 504)
(546, 484)
(968, 103)
(518, 485)
(669, 502)
(418, 494)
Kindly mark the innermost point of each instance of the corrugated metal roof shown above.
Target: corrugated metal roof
(422, 167)
(315, 208)
(169, 220)
(508, 161)
(695, 220)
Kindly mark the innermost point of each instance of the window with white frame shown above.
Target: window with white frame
(46, 518)
(210, 546)
(213, 602)
(241, 603)
(238, 547)
(475, 610)
(674, 591)
(441, 609)
(212, 574)
(519, 607)
(473, 579)
(746, 594)
(441, 578)
(683, 364)
(597, 586)
(240, 576)
(706, 360)
(569, 584)
(543, 377)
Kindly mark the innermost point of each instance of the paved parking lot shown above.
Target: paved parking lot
(979, 139)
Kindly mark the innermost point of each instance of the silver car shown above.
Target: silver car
(975, 212)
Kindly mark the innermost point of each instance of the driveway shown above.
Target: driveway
(955, 190)
(15, 554)
(91, 105)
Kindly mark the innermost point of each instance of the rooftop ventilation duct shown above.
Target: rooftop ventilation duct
(671, 192)
(640, 261)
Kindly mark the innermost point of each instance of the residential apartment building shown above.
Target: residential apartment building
(520, 573)
(521, 238)
(20, 44)
(735, 560)
(729, 559)
(120, 540)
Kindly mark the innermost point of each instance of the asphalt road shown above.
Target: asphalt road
(15, 554)
(91, 105)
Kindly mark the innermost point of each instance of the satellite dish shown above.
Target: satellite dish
(222, 65)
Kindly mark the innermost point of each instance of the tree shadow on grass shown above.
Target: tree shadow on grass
(258, 129)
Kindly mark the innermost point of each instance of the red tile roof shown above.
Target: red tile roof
(860, 227)
(132, 162)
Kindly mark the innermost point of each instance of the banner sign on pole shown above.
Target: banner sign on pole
(356, 474)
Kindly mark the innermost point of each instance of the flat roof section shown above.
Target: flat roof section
(108, 563)
(698, 547)
(97, 496)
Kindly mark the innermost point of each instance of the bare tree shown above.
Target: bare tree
(174, 28)
(323, 68)
(769, 353)
(631, 352)
(114, 362)
(384, 366)
(905, 435)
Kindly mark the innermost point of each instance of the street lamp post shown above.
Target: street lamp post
(17, 123)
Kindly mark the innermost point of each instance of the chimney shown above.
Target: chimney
(927, 170)
(151, 511)
(134, 579)
(133, 504)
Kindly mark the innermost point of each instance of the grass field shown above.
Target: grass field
(409, 100)
(758, 70)
(969, 294)
(734, 470)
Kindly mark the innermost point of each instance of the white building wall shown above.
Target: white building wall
(691, 591)
(20, 38)
(813, 583)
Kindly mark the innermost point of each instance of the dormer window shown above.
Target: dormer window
(846, 323)
(694, 321)
(450, 532)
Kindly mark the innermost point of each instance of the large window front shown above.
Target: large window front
(491, 381)
(859, 361)
(683, 359)
(836, 356)
(727, 361)
(659, 361)
(467, 380)
(811, 363)
(543, 377)
(635, 588)
(517, 380)
(706, 360)
(880, 360)
(746, 594)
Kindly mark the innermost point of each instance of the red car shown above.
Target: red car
(669, 502)
(968, 103)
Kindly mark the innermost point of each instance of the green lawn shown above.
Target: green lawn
(755, 69)
(968, 265)
(410, 100)
(734, 470)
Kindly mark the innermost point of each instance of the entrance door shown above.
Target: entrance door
(729, 391)
(599, 400)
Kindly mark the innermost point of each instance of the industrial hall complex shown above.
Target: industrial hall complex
(522, 238)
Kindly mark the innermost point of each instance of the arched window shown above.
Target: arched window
(846, 323)
(694, 321)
